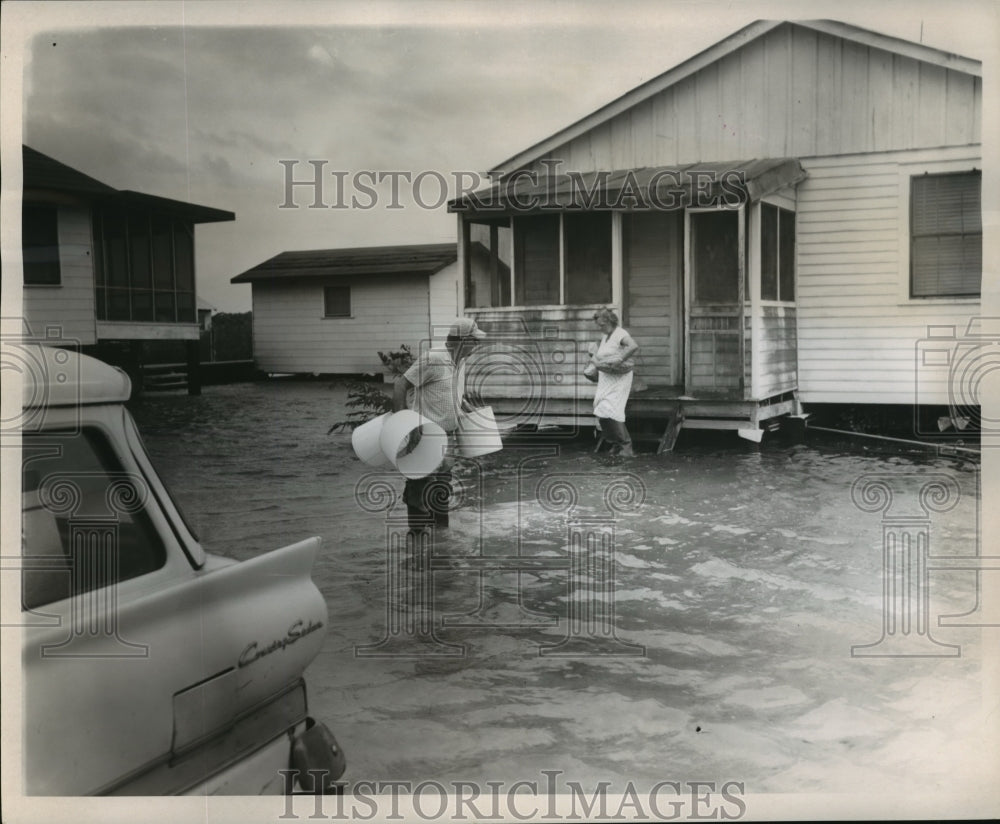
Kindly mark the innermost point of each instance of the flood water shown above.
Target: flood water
(705, 634)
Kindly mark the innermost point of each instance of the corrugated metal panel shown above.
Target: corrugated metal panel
(650, 187)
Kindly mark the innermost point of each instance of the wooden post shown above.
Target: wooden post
(562, 259)
(193, 366)
(686, 287)
(463, 251)
(617, 267)
(754, 222)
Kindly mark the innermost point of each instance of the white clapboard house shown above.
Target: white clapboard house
(330, 311)
(790, 217)
(107, 270)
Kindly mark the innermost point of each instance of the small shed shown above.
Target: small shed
(329, 311)
(779, 220)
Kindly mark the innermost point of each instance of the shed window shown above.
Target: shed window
(946, 235)
(336, 301)
(40, 244)
(777, 253)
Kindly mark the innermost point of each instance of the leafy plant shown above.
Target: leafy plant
(397, 362)
(368, 400)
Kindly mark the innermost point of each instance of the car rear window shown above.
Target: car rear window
(84, 520)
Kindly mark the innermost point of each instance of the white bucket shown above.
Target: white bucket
(428, 453)
(365, 440)
(478, 433)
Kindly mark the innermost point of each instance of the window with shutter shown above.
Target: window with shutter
(946, 235)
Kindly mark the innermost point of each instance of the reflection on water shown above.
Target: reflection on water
(744, 575)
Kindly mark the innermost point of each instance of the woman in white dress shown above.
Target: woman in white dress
(614, 359)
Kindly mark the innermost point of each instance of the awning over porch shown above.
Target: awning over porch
(723, 183)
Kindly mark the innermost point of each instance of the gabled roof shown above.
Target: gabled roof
(737, 40)
(178, 208)
(42, 172)
(371, 261)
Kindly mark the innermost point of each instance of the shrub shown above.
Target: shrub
(368, 400)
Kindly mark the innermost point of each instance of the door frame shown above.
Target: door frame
(677, 338)
(688, 289)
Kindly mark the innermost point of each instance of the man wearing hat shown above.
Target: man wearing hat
(429, 387)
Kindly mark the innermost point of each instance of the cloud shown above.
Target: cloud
(207, 111)
(321, 56)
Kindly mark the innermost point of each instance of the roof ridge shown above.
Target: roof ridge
(715, 52)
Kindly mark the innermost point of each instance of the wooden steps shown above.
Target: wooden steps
(164, 377)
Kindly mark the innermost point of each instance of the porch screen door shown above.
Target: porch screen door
(715, 304)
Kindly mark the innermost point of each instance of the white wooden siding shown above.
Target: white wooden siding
(291, 334)
(68, 307)
(858, 337)
(444, 297)
(534, 355)
(777, 365)
(794, 92)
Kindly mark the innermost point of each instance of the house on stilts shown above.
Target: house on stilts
(782, 220)
(109, 271)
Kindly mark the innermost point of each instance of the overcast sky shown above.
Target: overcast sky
(199, 101)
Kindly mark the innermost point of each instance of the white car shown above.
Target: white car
(151, 667)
